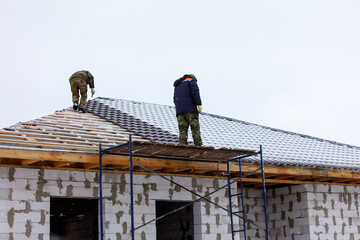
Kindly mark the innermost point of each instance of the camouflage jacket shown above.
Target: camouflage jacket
(86, 75)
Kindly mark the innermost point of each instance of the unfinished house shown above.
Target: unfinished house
(79, 176)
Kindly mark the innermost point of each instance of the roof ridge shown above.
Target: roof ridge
(247, 123)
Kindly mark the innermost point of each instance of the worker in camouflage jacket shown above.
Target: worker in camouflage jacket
(78, 83)
(188, 106)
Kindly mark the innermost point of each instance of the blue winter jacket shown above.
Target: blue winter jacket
(186, 95)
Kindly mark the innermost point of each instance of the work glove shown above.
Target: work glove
(199, 108)
(92, 92)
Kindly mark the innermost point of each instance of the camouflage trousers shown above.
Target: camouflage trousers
(79, 84)
(184, 120)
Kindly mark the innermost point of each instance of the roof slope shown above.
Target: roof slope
(68, 130)
(158, 123)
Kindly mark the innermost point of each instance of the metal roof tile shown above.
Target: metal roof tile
(279, 147)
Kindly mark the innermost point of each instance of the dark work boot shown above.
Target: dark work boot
(75, 106)
(82, 110)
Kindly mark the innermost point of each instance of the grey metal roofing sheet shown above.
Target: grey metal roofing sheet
(158, 123)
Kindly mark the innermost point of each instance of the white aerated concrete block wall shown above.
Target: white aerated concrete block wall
(254, 213)
(306, 212)
(334, 211)
(25, 202)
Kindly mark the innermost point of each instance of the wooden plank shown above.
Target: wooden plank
(174, 170)
(67, 137)
(89, 135)
(273, 181)
(51, 145)
(155, 168)
(339, 180)
(283, 177)
(303, 171)
(28, 161)
(61, 164)
(60, 159)
(321, 179)
(117, 131)
(198, 171)
(301, 178)
(88, 166)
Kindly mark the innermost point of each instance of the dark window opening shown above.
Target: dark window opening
(73, 219)
(176, 226)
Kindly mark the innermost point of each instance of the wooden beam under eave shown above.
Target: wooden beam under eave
(321, 179)
(184, 164)
(61, 164)
(354, 181)
(303, 178)
(221, 173)
(48, 155)
(270, 175)
(88, 166)
(279, 177)
(175, 170)
(343, 173)
(274, 181)
(4, 160)
(339, 180)
(80, 157)
(278, 170)
(14, 157)
(198, 171)
(28, 161)
(155, 168)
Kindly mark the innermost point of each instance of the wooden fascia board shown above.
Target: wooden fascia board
(332, 173)
(93, 158)
(276, 182)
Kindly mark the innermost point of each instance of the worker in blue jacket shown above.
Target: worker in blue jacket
(188, 106)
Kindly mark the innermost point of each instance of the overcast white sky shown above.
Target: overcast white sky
(291, 65)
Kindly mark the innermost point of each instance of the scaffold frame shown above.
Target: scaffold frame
(231, 180)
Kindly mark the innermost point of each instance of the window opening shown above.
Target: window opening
(73, 219)
(176, 226)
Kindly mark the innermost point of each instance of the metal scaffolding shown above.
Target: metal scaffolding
(231, 180)
(234, 179)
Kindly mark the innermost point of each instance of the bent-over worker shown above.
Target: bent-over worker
(79, 82)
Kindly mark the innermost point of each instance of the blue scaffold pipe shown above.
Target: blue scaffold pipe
(131, 190)
(230, 202)
(242, 199)
(101, 153)
(264, 194)
(101, 195)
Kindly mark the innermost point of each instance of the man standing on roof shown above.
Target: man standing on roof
(79, 82)
(188, 106)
